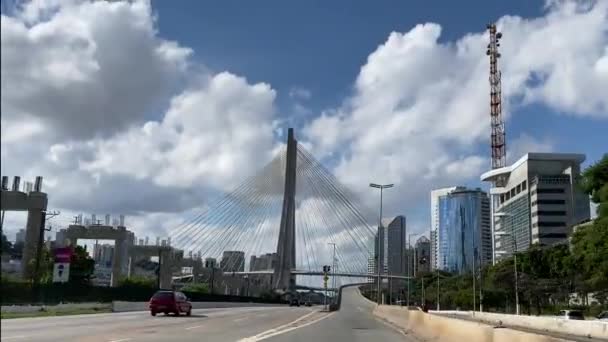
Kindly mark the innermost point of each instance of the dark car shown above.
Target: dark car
(170, 302)
(308, 303)
(294, 302)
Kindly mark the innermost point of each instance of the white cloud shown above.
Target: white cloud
(420, 106)
(299, 93)
(85, 68)
(83, 87)
(525, 144)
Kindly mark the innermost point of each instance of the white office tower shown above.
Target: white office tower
(539, 202)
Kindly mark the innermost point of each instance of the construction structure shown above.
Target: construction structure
(30, 198)
(498, 141)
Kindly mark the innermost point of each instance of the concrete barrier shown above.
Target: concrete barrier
(439, 328)
(121, 306)
(58, 307)
(591, 329)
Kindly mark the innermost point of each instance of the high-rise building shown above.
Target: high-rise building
(210, 263)
(233, 261)
(539, 202)
(20, 236)
(389, 246)
(263, 262)
(103, 254)
(435, 194)
(396, 241)
(379, 250)
(464, 237)
(423, 255)
(371, 269)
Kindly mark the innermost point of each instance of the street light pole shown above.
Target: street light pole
(512, 234)
(409, 264)
(333, 267)
(381, 187)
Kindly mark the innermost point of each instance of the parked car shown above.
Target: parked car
(294, 302)
(571, 314)
(603, 316)
(308, 303)
(170, 302)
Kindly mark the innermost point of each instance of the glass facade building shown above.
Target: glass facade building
(464, 235)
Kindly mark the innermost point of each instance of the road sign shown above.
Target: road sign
(63, 254)
(61, 272)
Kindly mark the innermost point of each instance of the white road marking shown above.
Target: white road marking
(241, 319)
(279, 330)
(13, 337)
(360, 308)
(121, 340)
(194, 327)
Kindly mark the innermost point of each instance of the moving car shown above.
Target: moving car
(603, 316)
(167, 301)
(308, 303)
(294, 302)
(571, 314)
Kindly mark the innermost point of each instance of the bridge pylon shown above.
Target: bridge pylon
(286, 246)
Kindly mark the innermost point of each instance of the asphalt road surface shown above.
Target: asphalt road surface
(354, 322)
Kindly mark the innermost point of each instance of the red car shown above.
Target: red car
(170, 302)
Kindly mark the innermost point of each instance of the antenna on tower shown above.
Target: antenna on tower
(498, 141)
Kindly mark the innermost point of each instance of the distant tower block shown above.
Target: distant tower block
(122, 220)
(107, 220)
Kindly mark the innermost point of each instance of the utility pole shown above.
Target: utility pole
(45, 216)
(438, 307)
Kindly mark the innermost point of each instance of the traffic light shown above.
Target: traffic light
(326, 269)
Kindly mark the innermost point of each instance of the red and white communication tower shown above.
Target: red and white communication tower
(499, 145)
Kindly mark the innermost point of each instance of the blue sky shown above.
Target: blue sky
(318, 45)
(177, 98)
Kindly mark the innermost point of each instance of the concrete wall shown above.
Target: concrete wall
(58, 307)
(438, 328)
(120, 306)
(594, 329)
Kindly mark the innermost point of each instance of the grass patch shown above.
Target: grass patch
(55, 312)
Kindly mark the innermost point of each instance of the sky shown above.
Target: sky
(154, 109)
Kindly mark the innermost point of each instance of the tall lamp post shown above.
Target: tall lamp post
(333, 268)
(512, 235)
(381, 187)
(409, 269)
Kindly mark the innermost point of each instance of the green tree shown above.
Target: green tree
(7, 246)
(199, 288)
(594, 181)
(81, 267)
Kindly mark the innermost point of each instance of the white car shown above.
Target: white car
(571, 314)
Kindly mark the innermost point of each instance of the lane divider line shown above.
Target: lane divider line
(194, 327)
(121, 340)
(279, 330)
(13, 337)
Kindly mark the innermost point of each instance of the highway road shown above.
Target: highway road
(354, 322)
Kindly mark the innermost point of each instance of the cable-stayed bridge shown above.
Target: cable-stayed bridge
(293, 207)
